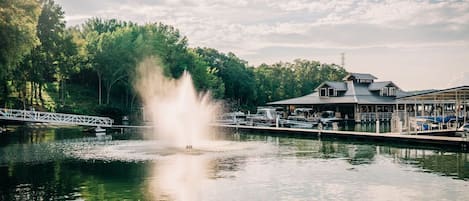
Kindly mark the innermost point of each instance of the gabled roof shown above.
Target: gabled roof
(365, 96)
(360, 76)
(339, 86)
(356, 93)
(375, 86)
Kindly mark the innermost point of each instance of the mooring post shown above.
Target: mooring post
(276, 121)
(319, 128)
(377, 126)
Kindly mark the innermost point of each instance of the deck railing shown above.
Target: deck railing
(58, 118)
(373, 116)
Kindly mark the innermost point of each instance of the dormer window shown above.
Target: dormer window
(392, 91)
(388, 91)
(364, 78)
(331, 92)
(364, 81)
(384, 91)
(324, 92)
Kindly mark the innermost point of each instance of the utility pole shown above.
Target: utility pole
(343, 59)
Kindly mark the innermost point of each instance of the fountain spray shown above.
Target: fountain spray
(180, 115)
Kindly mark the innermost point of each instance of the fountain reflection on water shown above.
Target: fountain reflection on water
(181, 118)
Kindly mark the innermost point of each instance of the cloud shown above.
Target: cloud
(261, 30)
(260, 23)
(459, 80)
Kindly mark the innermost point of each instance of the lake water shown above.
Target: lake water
(64, 164)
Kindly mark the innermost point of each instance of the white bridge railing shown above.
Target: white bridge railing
(59, 118)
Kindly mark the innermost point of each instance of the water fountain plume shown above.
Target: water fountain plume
(180, 115)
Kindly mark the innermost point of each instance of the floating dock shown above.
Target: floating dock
(424, 137)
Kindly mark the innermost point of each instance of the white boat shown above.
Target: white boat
(423, 124)
(263, 117)
(328, 117)
(298, 122)
(463, 131)
(233, 118)
(99, 130)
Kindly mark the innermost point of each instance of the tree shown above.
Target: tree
(68, 60)
(46, 56)
(18, 20)
(116, 57)
(287, 80)
(101, 26)
(104, 48)
(205, 76)
(238, 79)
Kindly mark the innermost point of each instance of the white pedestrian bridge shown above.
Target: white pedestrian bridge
(56, 118)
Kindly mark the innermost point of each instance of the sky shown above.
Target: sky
(416, 44)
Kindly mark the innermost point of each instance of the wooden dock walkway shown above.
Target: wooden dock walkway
(459, 142)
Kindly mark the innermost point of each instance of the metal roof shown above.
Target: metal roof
(356, 94)
(450, 94)
(366, 93)
(375, 86)
(340, 86)
(365, 96)
(418, 92)
(360, 76)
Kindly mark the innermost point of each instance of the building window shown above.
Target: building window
(323, 92)
(384, 91)
(331, 92)
(392, 91)
(388, 91)
(327, 92)
(364, 81)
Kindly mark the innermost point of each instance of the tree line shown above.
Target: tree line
(37, 49)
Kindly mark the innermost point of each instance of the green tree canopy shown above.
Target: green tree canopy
(287, 80)
(18, 21)
(237, 77)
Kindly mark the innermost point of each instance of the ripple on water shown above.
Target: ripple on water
(147, 150)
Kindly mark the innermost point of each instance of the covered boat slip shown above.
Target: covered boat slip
(360, 98)
(357, 98)
(447, 109)
(358, 103)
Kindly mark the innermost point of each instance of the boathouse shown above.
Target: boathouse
(358, 97)
(447, 107)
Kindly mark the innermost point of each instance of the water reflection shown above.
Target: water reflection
(441, 162)
(65, 180)
(368, 127)
(455, 165)
(28, 135)
(249, 167)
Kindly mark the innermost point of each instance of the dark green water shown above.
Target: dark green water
(63, 164)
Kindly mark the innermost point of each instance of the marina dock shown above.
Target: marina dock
(433, 138)
(422, 137)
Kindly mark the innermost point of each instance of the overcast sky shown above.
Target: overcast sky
(415, 44)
